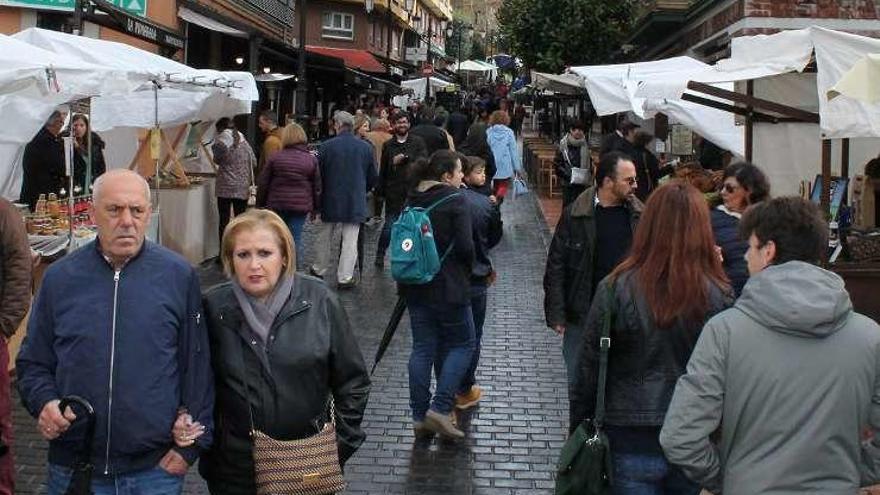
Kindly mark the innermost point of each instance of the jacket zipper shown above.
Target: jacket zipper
(112, 362)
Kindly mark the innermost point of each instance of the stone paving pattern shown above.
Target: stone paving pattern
(513, 436)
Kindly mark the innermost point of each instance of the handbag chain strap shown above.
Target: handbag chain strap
(247, 395)
(604, 346)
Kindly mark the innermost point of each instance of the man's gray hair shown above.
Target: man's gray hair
(344, 119)
(99, 183)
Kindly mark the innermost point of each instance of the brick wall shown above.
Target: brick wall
(834, 9)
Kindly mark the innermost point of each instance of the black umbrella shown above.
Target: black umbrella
(393, 322)
(81, 480)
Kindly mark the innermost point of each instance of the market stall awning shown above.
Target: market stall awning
(613, 88)
(566, 84)
(475, 66)
(354, 59)
(418, 86)
(759, 57)
(862, 82)
(208, 23)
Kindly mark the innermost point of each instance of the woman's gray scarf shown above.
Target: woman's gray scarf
(567, 141)
(259, 315)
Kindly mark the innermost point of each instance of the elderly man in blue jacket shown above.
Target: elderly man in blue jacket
(119, 323)
(348, 171)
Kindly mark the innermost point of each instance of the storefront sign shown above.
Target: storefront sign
(136, 7)
(121, 20)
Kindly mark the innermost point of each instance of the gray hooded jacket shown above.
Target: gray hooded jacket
(791, 375)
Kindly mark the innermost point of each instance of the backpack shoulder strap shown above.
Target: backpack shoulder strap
(441, 201)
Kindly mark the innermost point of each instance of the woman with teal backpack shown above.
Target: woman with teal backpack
(440, 310)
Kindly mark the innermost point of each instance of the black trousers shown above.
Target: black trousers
(239, 206)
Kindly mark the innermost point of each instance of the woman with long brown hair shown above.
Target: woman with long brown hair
(658, 299)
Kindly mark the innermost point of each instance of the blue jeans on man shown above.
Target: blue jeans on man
(296, 223)
(438, 329)
(155, 481)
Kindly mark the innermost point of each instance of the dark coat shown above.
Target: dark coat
(434, 137)
(290, 181)
(348, 171)
(568, 277)
(310, 354)
(457, 126)
(99, 166)
(616, 142)
(725, 227)
(394, 181)
(486, 224)
(42, 167)
(644, 361)
(647, 172)
(15, 269)
(475, 144)
(451, 222)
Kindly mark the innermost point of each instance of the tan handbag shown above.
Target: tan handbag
(308, 466)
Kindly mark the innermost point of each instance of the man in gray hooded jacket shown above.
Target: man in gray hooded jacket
(791, 374)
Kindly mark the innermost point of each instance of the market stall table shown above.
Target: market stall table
(189, 221)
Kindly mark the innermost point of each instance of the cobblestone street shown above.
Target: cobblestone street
(513, 436)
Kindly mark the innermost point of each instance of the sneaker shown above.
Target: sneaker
(469, 399)
(348, 284)
(315, 273)
(442, 425)
(421, 432)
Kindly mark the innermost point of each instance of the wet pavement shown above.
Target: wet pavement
(513, 436)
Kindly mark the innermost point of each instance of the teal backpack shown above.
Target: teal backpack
(414, 257)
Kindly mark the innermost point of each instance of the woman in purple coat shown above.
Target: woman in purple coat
(290, 183)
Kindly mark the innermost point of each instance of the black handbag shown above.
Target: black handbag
(584, 467)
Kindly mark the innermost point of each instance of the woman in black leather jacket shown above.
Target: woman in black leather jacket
(658, 298)
(280, 345)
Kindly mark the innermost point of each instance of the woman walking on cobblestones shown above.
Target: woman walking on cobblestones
(440, 311)
(283, 354)
(659, 298)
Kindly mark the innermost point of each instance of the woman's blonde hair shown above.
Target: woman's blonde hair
(293, 134)
(359, 122)
(499, 117)
(252, 220)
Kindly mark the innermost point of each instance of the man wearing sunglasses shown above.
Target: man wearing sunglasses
(593, 235)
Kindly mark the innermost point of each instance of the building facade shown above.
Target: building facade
(703, 28)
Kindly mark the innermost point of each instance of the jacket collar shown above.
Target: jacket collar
(585, 204)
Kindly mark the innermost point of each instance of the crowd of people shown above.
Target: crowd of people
(735, 362)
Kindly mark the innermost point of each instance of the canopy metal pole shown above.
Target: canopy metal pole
(157, 130)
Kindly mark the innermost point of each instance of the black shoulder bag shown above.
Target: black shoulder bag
(584, 466)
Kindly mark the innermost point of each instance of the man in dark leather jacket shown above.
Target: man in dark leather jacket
(579, 257)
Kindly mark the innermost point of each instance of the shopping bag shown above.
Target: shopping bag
(584, 466)
(519, 187)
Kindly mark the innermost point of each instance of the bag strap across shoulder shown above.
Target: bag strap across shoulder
(441, 201)
(604, 347)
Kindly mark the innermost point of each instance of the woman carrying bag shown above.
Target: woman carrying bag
(287, 370)
(653, 305)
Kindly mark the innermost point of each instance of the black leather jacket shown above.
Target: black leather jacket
(644, 362)
(568, 276)
(311, 352)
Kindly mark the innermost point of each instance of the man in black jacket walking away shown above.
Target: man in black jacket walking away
(593, 235)
(398, 155)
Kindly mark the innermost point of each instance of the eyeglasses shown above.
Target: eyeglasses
(630, 180)
(729, 188)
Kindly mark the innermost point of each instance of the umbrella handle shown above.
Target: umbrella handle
(75, 400)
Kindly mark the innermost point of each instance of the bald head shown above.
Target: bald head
(121, 210)
(116, 177)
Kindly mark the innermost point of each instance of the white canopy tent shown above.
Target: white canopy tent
(612, 89)
(418, 86)
(125, 81)
(475, 66)
(774, 65)
(33, 82)
(566, 84)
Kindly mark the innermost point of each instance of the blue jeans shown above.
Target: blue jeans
(572, 346)
(155, 481)
(438, 329)
(295, 222)
(639, 467)
(385, 235)
(478, 307)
